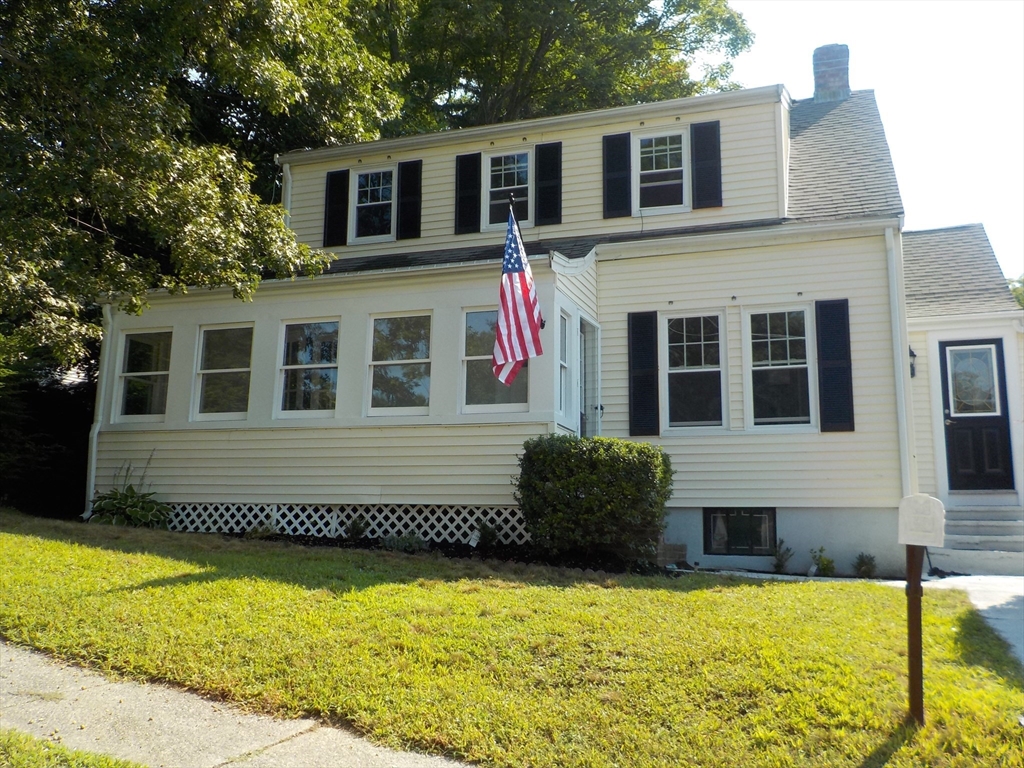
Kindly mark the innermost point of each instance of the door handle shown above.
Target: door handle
(949, 422)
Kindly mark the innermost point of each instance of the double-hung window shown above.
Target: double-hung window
(779, 379)
(662, 174)
(144, 373)
(374, 203)
(309, 368)
(483, 390)
(508, 175)
(400, 364)
(224, 368)
(694, 371)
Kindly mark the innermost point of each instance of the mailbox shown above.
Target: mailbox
(922, 521)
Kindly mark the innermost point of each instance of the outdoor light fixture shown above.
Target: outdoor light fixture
(913, 363)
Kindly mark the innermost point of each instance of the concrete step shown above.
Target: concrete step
(985, 513)
(976, 562)
(985, 527)
(1004, 543)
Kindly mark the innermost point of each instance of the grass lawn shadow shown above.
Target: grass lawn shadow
(883, 752)
(978, 644)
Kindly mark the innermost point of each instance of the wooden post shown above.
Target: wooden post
(915, 561)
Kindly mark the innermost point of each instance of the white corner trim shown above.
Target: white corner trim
(286, 193)
(106, 359)
(901, 345)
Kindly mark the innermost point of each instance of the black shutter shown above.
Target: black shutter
(706, 160)
(618, 184)
(467, 194)
(835, 372)
(336, 209)
(548, 205)
(643, 374)
(409, 199)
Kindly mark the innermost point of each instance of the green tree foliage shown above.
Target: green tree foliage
(133, 136)
(1017, 289)
(501, 60)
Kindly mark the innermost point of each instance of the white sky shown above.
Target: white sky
(949, 81)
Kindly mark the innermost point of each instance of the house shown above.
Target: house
(966, 335)
(720, 275)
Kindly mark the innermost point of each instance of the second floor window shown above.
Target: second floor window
(508, 175)
(374, 204)
(661, 171)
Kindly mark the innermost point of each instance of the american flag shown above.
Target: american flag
(517, 336)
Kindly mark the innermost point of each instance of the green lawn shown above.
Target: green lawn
(520, 665)
(17, 750)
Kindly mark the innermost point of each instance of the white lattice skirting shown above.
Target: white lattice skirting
(431, 522)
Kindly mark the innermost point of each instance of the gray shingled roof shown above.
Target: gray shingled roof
(953, 271)
(839, 163)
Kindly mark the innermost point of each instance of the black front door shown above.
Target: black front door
(977, 424)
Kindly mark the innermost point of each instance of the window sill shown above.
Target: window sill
(310, 414)
(639, 213)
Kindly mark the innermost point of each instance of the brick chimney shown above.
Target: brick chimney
(831, 73)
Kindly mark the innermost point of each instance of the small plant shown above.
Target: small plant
(823, 566)
(126, 504)
(782, 556)
(490, 535)
(357, 529)
(409, 543)
(864, 566)
(260, 531)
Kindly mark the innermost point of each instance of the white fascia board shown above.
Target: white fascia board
(770, 234)
(951, 322)
(602, 117)
(563, 265)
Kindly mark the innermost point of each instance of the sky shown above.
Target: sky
(949, 81)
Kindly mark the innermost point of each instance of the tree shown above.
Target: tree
(133, 136)
(1017, 289)
(501, 60)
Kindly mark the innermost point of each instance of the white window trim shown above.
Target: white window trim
(663, 373)
(280, 368)
(118, 404)
(811, 337)
(197, 380)
(995, 376)
(668, 130)
(353, 193)
(418, 410)
(490, 407)
(485, 188)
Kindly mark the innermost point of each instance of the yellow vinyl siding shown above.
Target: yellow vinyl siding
(399, 465)
(581, 289)
(765, 467)
(750, 186)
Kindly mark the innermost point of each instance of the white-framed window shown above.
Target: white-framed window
(145, 366)
(780, 366)
(223, 372)
(373, 205)
(507, 174)
(732, 531)
(694, 370)
(309, 368)
(973, 381)
(564, 373)
(400, 364)
(483, 391)
(661, 172)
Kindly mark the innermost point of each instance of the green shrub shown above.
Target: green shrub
(593, 495)
(124, 504)
(782, 556)
(864, 566)
(356, 529)
(824, 566)
(407, 542)
(490, 535)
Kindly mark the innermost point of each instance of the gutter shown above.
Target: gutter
(101, 397)
(900, 345)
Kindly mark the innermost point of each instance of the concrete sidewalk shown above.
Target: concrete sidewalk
(161, 726)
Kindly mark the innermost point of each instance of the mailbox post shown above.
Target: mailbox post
(922, 523)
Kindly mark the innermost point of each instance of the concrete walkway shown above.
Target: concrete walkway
(161, 726)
